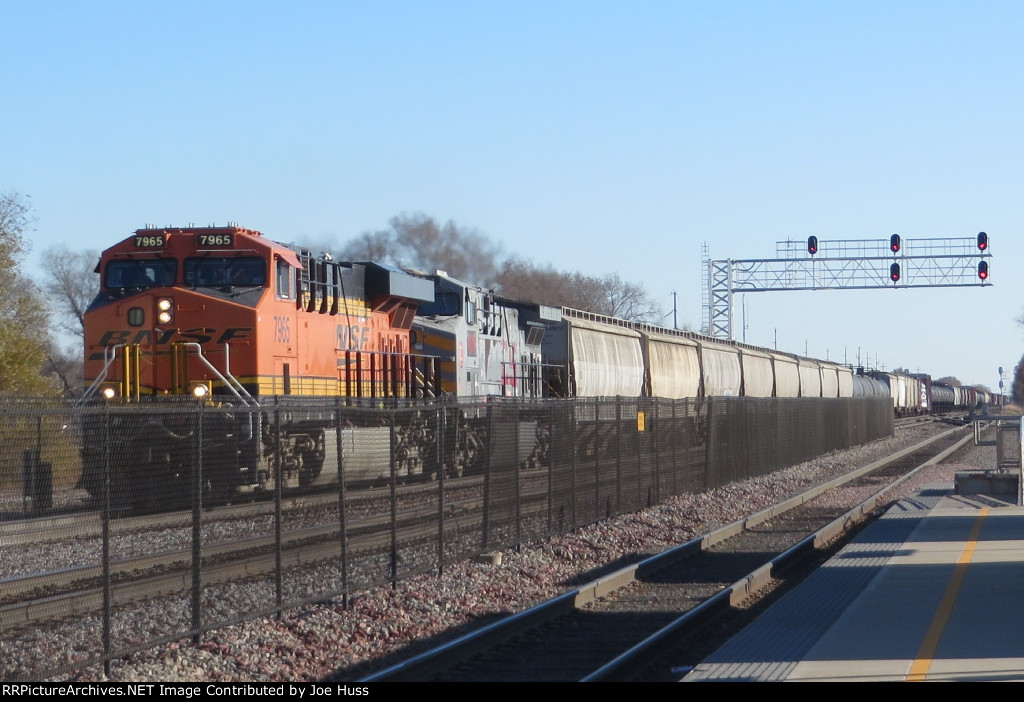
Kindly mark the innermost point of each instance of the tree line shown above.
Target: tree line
(35, 317)
(417, 241)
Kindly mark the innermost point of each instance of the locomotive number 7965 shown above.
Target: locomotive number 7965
(282, 329)
(216, 240)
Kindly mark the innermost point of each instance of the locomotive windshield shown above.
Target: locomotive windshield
(225, 271)
(141, 273)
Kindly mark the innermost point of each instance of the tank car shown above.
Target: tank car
(227, 314)
(943, 397)
(865, 385)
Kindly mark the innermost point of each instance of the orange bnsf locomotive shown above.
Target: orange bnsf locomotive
(226, 314)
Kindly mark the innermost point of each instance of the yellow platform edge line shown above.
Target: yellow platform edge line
(926, 653)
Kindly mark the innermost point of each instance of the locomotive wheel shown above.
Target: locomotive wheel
(312, 460)
(458, 469)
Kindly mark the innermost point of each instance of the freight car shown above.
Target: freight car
(588, 355)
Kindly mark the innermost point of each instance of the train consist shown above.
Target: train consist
(590, 355)
(226, 314)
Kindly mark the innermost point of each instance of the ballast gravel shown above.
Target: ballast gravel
(325, 640)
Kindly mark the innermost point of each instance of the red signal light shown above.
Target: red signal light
(894, 272)
(812, 245)
(983, 270)
(982, 241)
(894, 243)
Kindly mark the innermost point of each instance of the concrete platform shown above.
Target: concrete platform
(934, 590)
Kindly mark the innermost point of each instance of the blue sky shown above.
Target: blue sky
(593, 136)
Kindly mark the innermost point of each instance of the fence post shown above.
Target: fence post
(709, 428)
(342, 516)
(519, 478)
(439, 465)
(551, 417)
(576, 411)
(278, 517)
(488, 477)
(197, 533)
(675, 438)
(106, 540)
(652, 426)
(618, 455)
(394, 502)
(597, 462)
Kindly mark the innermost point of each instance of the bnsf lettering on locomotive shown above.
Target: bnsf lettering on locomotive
(152, 241)
(232, 333)
(353, 336)
(118, 336)
(199, 335)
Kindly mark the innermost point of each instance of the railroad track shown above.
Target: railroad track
(631, 624)
(36, 599)
(957, 418)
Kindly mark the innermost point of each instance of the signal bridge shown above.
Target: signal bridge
(846, 264)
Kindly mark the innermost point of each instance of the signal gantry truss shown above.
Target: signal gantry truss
(844, 264)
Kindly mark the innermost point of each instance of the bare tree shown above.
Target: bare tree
(420, 242)
(608, 295)
(66, 369)
(629, 300)
(378, 247)
(521, 280)
(72, 282)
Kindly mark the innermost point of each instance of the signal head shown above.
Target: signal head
(812, 245)
(894, 272)
(982, 241)
(894, 243)
(983, 270)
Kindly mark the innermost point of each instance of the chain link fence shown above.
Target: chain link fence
(123, 527)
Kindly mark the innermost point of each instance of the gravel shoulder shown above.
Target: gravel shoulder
(383, 625)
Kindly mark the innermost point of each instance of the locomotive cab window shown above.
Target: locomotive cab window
(141, 273)
(284, 280)
(217, 271)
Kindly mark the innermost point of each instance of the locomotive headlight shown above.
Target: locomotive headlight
(109, 391)
(199, 390)
(165, 310)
